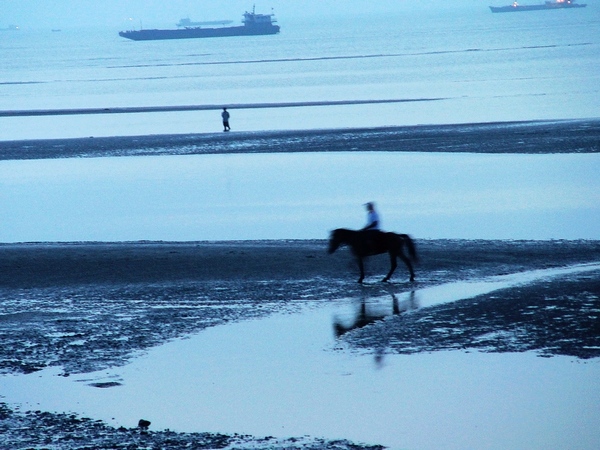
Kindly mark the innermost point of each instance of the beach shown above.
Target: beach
(524, 137)
(87, 307)
(268, 274)
(289, 341)
(164, 284)
(91, 325)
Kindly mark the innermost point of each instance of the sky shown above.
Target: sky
(114, 13)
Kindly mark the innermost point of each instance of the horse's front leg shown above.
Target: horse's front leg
(361, 266)
(394, 265)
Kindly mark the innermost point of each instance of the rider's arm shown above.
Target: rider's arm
(371, 225)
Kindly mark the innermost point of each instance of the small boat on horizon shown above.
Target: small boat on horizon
(557, 4)
(253, 25)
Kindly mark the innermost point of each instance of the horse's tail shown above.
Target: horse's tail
(410, 245)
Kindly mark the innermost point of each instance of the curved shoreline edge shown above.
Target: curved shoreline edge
(180, 108)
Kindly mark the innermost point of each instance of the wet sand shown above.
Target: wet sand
(88, 306)
(569, 136)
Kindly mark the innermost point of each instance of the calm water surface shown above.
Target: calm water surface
(286, 375)
(485, 66)
(300, 196)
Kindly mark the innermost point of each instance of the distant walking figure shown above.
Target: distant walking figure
(225, 116)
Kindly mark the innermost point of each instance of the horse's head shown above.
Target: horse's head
(334, 241)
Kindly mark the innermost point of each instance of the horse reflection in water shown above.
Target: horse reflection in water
(369, 243)
(365, 316)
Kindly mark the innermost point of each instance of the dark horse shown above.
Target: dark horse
(365, 243)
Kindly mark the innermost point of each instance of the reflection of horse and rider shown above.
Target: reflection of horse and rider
(370, 240)
(364, 316)
(369, 312)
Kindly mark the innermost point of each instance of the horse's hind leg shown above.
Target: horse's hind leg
(392, 269)
(361, 266)
(409, 265)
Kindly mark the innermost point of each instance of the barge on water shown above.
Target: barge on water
(253, 25)
(558, 4)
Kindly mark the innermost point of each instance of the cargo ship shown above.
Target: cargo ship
(253, 25)
(558, 4)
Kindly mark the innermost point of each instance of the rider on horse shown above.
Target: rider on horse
(373, 228)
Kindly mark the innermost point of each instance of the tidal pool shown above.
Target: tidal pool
(287, 375)
(300, 196)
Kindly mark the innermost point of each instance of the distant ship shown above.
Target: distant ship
(253, 25)
(558, 4)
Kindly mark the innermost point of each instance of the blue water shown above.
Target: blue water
(484, 67)
(300, 196)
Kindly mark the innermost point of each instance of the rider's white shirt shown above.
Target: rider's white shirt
(372, 216)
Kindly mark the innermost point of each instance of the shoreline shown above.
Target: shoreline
(53, 264)
(181, 108)
(84, 307)
(76, 289)
(526, 137)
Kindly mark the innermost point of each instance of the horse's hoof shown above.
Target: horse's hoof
(385, 280)
(412, 279)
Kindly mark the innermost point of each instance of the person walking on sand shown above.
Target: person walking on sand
(225, 116)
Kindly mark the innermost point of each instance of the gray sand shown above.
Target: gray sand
(578, 136)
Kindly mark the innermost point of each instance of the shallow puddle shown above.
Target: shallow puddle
(287, 375)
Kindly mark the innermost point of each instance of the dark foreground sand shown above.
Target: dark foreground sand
(53, 296)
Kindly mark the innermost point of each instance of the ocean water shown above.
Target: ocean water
(469, 64)
(458, 63)
(300, 196)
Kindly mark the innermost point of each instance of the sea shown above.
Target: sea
(421, 64)
(456, 63)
